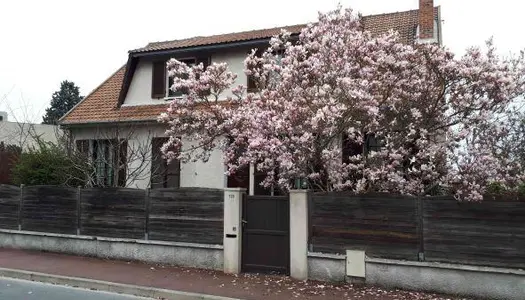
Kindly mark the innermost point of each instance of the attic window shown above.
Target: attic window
(169, 92)
(161, 83)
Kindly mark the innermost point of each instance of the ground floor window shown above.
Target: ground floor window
(163, 175)
(108, 158)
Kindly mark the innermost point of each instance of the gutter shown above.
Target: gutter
(200, 48)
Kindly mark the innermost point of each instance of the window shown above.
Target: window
(163, 175)
(109, 158)
(351, 148)
(161, 82)
(82, 148)
(251, 84)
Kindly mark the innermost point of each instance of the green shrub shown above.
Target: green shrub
(49, 164)
(495, 188)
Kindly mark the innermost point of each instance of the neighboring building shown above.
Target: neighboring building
(25, 135)
(116, 124)
(15, 137)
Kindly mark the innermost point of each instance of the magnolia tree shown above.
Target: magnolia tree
(437, 118)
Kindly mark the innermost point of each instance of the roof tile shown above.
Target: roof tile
(102, 104)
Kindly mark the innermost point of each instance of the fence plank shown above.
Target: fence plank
(49, 209)
(186, 215)
(9, 205)
(382, 225)
(485, 233)
(112, 212)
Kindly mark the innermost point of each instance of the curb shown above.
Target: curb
(107, 286)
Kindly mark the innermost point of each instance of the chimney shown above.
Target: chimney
(426, 19)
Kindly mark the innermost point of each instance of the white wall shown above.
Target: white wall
(193, 174)
(208, 174)
(23, 134)
(139, 92)
(235, 61)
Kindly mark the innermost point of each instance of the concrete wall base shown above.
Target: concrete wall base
(179, 254)
(464, 280)
(482, 282)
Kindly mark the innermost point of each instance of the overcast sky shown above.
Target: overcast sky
(45, 42)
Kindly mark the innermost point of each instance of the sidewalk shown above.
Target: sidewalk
(243, 286)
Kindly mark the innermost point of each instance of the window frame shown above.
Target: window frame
(167, 85)
(163, 171)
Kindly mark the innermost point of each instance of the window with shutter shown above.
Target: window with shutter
(179, 93)
(163, 175)
(158, 82)
(251, 84)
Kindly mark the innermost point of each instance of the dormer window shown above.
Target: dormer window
(178, 93)
(161, 82)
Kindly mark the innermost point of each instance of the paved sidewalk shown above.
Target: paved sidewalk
(244, 286)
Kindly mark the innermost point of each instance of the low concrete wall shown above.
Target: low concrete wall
(180, 254)
(482, 282)
(326, 267)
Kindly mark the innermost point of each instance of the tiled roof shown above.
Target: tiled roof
(404, 22)
(102, 104)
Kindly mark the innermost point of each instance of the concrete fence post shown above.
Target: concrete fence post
(232, 239)
(299, 234)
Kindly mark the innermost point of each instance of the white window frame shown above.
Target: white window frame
(167, 96)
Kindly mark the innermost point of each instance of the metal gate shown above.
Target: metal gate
(266, 234)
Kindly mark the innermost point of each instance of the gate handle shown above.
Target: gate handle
(244, 222)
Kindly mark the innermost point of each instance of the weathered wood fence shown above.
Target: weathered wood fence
(178, 215)
(490, 233)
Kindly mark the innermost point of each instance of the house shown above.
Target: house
(18, 136)
(115, 125)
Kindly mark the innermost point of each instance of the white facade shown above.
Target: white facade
(139, 92)
(25, 135)
(192, 174)
(210, 174)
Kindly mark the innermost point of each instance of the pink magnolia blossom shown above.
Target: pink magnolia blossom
(430, 111)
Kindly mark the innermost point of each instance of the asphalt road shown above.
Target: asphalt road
(28, 290)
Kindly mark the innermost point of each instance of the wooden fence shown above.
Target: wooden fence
(490, 233)
(178, 215)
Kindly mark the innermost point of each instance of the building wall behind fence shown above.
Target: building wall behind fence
(438, 229)
(188, 215)
(210, 174)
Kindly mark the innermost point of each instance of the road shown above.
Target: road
(27, 290)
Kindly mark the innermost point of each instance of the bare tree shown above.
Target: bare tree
(119, 154)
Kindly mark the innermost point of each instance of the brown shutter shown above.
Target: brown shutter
(122, 163)
(158, 81)
(82, 146)
(158, 167)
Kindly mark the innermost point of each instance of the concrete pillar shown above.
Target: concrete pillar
(232, 239)
(299, 234)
